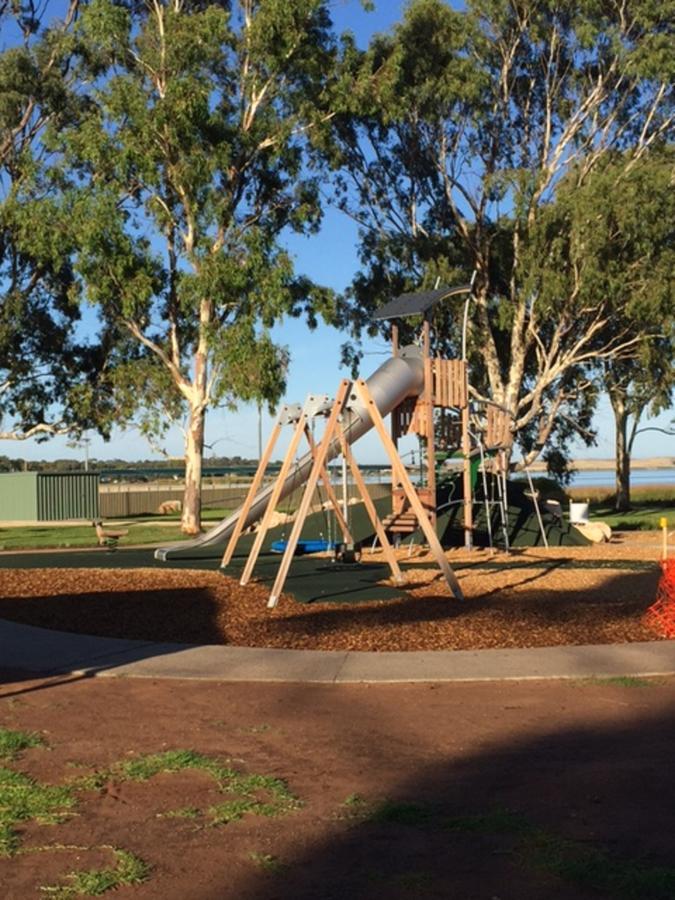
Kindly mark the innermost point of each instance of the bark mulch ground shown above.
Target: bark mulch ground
(530, 598)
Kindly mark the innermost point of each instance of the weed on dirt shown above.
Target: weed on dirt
(13, 743)
(267, 861)
(24, 799)
(127, 870)
(626, 681)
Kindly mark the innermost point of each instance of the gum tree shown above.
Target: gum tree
(47, 375)
(189, 164)
(462, 127)
(610, 240)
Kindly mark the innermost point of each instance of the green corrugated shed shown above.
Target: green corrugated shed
(48, 497)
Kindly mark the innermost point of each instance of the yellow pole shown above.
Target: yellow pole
(663, 522)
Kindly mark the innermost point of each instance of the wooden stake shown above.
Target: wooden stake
(252, 491)
(429, 531)
(274, 499)
(389, 554)
(319, 462)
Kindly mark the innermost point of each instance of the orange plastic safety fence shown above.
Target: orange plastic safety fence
(661, 615)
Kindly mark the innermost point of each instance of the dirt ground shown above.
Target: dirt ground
(504, 791)
(529, 598)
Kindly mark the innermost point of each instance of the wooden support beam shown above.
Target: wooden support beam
(301, 515)
(274, 498)
(252, 491)
(425, 524)
(388, 550)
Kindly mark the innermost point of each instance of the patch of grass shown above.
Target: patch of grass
(268, 862)
(23, 799)
(127, 870)
(12, 743)
(43, 537)
(644, 515)
(595, 869)
(233, 810)
(257, 794)
(185, 812)
(626, 681)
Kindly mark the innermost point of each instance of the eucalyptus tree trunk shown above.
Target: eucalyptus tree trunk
(622, 462)
(191, 522)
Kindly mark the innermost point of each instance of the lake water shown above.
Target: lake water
(605, 477)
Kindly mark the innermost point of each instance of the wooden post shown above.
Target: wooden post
(425, 524)
(274, 499)
(389, 554)
(252, 491)
(394, 339)
(319, 462)
(428, 400)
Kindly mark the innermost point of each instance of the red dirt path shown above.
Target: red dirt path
(584, 768)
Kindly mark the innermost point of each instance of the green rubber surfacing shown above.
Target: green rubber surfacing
(314, 578)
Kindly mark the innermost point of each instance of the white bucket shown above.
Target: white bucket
(578, 513)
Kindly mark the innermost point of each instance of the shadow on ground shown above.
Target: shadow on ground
(555, 812)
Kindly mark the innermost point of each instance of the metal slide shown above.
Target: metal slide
(398, 378)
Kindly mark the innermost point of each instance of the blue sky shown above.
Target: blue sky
(331, 259)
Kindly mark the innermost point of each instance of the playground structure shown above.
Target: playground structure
(426, 396)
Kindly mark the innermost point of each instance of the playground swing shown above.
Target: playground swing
(324, 541)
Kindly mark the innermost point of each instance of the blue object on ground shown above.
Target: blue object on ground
(316, 546)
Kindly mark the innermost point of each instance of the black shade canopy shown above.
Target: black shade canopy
(417, 303)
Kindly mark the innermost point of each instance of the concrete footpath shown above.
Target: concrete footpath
(44, 652)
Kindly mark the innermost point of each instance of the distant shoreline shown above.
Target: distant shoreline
(585, 465)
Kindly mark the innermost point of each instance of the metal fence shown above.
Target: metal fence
(123, 500)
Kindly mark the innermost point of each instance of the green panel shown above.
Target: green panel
(18, 496)
(67, 496)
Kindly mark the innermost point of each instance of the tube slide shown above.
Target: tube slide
(397, 379)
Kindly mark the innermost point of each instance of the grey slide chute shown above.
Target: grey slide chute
(397, 379)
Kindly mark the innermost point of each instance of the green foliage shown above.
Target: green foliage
(81, 536)
(214, 176)
(128, 870)
(50, 379)
(23, 799)
(12, 743)
(643, 516)
(487, 141)
(256, 794)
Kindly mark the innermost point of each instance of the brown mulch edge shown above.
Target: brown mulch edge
(541, 603)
